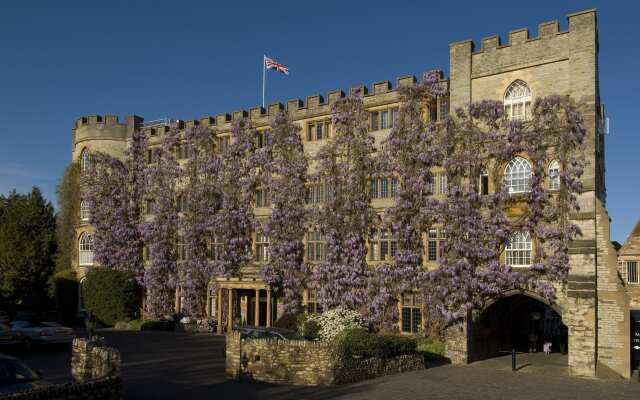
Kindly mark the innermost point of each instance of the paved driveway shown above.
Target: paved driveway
(163, 365)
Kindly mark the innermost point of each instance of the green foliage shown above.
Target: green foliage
(289, 321)
(431, 349)
(111, 296)
(68, 191)
(357, 342)
(65, 294)
(150, 325)
(309, 328)
(27, 248)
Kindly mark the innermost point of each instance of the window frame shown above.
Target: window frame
(411, 306)
(635, 274)
(519, 94)
(514, 175)
(85, 249)
(85, 212)
(261, 247)
(316, 246)
(522, 252)
(554, 177)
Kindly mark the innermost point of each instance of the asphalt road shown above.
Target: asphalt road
(166, 365)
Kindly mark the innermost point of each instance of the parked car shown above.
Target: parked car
(260, 332)
(36, 332)
(9, 337)
(4, 317)
(16, 376)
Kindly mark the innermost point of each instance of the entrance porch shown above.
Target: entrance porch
(237, 302)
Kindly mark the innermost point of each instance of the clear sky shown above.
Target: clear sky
(188, 59)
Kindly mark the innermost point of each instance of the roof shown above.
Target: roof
(632, 244)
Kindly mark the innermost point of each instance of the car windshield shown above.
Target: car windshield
(12, 371)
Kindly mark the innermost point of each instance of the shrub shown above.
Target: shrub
(153, 325)
(111, 296)
(337, 320)
(135, 324)
(65, 294)
(357, 342)
(289, 321)
(431, 349)
(309, 328)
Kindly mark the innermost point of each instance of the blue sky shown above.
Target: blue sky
(63, 59)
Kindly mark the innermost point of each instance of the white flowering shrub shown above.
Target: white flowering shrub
(336, 320)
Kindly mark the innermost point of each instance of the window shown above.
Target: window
(181, 249)
(312, 302)
(84, 211)
(86, 249)
(222, 143)
(433, 111)
(318, 130)
(262, 247)
(442, 180)
(316, 193)
(382, 188)
(444, 107)
(263, 138)
(383, 245)
(214, 248)
(411, 318)
(385, 120)
(431, 184)
(554, 175)
(484, 182)
(145, 253)
(316, 246)
(517, 175)
(518, 250)
(182, 203)
(148, 206)
(182, 151)
(85, 161)
(436, 240)
(263, 198)
(517, 101)
(394, 117)
(632, 272)
(374, 120)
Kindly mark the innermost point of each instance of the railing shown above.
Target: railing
(157, 122)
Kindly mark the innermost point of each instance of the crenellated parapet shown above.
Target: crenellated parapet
(317, 105)
(105, 127)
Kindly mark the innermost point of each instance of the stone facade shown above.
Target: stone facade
(593, 304)
(299, 362)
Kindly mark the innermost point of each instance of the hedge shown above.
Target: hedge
(65, 294)
(360, 343)
(111, 296)
(431, 349)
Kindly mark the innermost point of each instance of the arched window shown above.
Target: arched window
(86, 249)
(85, 160)
(518, 250)
(554, 175)
(484, 182)
(84, 211)
(517, 175)
(517, 100)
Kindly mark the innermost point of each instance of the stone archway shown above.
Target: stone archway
(517, 320)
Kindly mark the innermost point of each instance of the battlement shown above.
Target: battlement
(546, 31)
(314, 105)
(105, 127)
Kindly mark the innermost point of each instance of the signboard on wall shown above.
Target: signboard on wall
(635, 338)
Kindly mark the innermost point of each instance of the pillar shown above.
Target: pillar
(256, 309)
(230, 314)
(268, 307)
(219, 310)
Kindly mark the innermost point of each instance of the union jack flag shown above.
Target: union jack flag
(272, 64)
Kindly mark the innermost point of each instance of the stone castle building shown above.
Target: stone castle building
(591, 318)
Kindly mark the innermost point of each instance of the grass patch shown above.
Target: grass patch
(431, 349)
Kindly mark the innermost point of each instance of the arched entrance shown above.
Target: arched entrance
(517, 321)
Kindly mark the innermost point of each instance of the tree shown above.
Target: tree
(345, 165)
(27, 249)
(286, 272)
(68, 191)
(111, 295)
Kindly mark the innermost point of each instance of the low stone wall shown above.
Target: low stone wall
(299, 362)
(96, 373)
(91, 360)
(101, 389)
(361, 369)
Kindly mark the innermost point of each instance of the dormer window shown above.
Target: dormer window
(517, 101)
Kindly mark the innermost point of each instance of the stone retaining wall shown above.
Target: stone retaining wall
(299, 362)
(91, 360)
(101, 389)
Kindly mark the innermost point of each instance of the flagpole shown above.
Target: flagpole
(264, 75)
